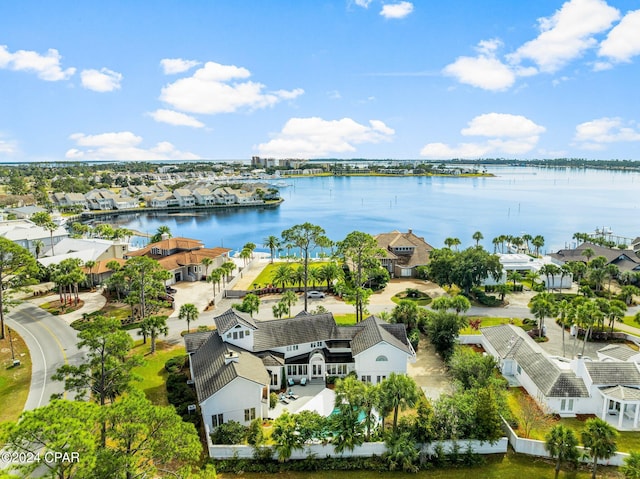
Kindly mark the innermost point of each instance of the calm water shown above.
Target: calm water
(552, 202)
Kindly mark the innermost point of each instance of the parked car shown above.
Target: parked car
(170, 290)
(315, 294)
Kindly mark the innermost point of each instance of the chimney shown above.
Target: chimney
(164, 236)
(231, 357)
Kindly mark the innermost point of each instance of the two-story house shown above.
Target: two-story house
(235, 366)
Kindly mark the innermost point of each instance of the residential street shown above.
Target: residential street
(51, 342)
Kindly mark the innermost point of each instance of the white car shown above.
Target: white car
(315, 294)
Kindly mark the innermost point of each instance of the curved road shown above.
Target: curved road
(51, 342)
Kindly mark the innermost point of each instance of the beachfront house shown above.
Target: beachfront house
(608, 388)
(27, 234)
(405, 252)
(523, 263)
(625, 260)
(182, 257)
(236, 366)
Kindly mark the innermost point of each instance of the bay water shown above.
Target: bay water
(552, 202)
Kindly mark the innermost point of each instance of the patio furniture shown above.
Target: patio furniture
(303, 382)
(290, 381)
(283, 399)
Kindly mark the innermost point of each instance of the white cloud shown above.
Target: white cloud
(47, 66)
(363, 3)
(502, 125)
(122, 146)
(102, 80)
(396, 10)
(567, 34)
(595, 134)
(334, 95)
(175, 118)
(623, 41)
(8, 147)
(484, 72)
(177, 65)
(506, 134)
(212, 89)
(315, 137)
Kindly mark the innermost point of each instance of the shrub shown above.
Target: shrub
(414, 338)
(273, 400)
(175, 365)
(231, 432)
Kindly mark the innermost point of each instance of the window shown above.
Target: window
(365, 379)
(382, 358)
(241, 334)
(249, 414)
(228, 335)
(519, 369)
(247, 333)
(217, 420)
(379, 379)
(235, 335)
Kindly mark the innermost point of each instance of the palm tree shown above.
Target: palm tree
(162, 230)
(289, 298)
(538, 242)
(206, 262)
(283, 275)
(214, 278)
(330, 272)
(153, 326)
(550, 271)
(189, 313)
(588, 253)
(514, 276)
(398, 392)
(588, 314)
(543, 306)
(251, 247)
(562, 444)
(477, 237)
(90, 265)
(533, 277)
(273, 243)
(611, 271)
(228, 267)
(43, 219)
(631, 468)
(495, 242)
(526, 238)
(566, 312)
(627, 292)
(449, 242)
(39, 247)
(245, 254)
(599, 437)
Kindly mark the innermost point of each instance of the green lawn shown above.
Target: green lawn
(348, 319)
(630, 321)
(498, 466)
(152, 372)
(265, 277)
(627, 441)
(489, 321)
(14, 380)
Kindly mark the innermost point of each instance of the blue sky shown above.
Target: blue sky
(138, 80)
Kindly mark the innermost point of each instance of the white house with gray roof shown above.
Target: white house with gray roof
(236, 366)
(608, 388)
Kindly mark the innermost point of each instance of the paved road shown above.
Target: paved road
(51, 342)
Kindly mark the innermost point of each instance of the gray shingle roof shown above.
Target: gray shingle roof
(619, 352)
(514, 343)
(299, 330)
(232, 318)
(622, 393)
(212, 374)
(193, 341)
(374, 330)
(613, 373)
